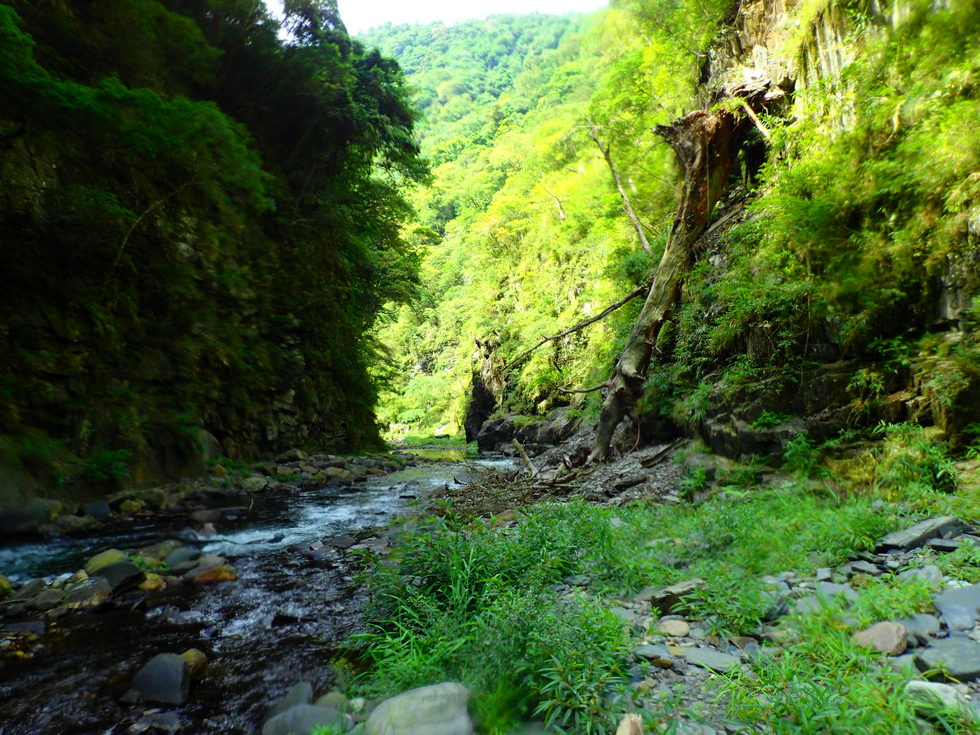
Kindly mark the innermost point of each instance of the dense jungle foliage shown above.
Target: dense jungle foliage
(860, 209)
(200, 210)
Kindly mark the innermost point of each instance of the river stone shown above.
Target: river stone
(88, 594)
(334, 699)
(197, 662)
(303, 718)
(156, 723)
(709, 658)
(959, 658)
(255, 484)
(159, 551)
(122, 576)
(214, 575)
(657, 655)
(434, 710)
(671, 598)
(164, 678)
(104, 559)
(99, 510)
(888, 638)
(299, 693)
(181, 555)
(28, 591)
(48, 599)
(203, 564)
(928, 572)
(832, 590)
(958, 617)
(6, 589)
(152, 583)
(921, 532)
(929, 697)
(674, 628)
(961, 601)
(921, 625)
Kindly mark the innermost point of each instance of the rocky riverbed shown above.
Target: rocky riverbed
(230, 589)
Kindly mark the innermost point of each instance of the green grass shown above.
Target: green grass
(466, 600)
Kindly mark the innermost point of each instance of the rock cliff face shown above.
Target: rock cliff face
(767, 44)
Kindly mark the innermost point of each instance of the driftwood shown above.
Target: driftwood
(527, 460)
(706, 144)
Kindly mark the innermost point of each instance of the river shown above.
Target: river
(278, 624)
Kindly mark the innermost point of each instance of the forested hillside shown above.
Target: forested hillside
(835, 286)
(200, 219)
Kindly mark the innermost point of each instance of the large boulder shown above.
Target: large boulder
(439, 709)
(165, 678)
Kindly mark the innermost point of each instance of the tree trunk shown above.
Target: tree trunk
(706, 145)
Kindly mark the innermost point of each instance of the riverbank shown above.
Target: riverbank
(694, 593)
(294, 546)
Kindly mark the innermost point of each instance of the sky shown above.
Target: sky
(359, 15)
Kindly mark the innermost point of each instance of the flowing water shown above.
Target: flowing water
(278, 624)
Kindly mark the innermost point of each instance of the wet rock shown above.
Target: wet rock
(709, 658)
(299, 693)
(122, 576)
(674, 628)
(202, 564)
(304, 718)
(6, 588)
(70, 525)
(340, 542)
(88, 594)
(214, 575)
(131, 506)
(255, 484)
(196, 662)
(28, 591)
(152, 583)
(959, 658)
(104, 559)
(921, 625)
(657, 655)
(671, 598)
(434, 710)
(930, 697)
(156, 723)
(182, 555)
(888, 638)
(921, 532)
(164, 678)
(961, 603)
(99, 510)
(47, 600)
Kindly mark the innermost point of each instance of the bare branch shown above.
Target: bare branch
(593, 133)
(639, 291)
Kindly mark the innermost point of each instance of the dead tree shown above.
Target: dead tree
(706, 144)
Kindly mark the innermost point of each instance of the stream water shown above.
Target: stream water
(278, 624)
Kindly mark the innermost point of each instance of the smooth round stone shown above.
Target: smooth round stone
(674, 628)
